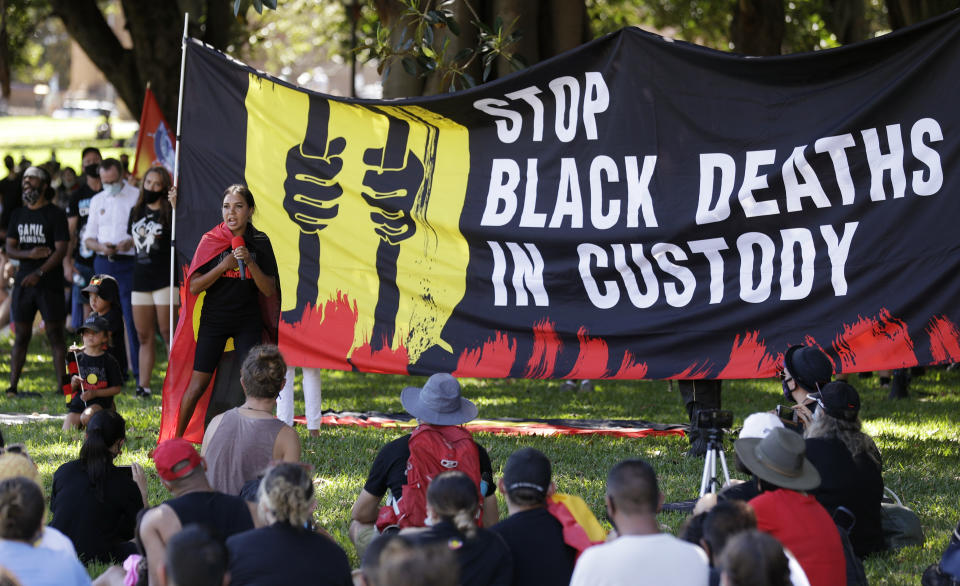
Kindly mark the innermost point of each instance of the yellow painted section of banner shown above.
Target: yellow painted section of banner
(431, 263)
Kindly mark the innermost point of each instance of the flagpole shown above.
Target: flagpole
(176, 178)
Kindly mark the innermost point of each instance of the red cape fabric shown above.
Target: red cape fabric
(180, 365)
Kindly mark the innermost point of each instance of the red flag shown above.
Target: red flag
(154, 140)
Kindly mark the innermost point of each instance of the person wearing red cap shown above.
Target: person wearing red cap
(183, 472)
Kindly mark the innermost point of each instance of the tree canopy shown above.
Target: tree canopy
(422, 46)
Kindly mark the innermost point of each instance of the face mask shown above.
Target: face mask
(92, 170)
(69, 183)
(151, 196)
(113, 188)
(30, 196)
(787, 393)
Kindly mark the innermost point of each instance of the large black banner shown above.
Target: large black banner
(636, 208)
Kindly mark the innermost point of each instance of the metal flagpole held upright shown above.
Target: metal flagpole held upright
(176, 178)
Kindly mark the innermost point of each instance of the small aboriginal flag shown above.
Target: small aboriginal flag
(72, 369)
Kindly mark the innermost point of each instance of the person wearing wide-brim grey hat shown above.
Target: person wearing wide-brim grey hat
(785, 510)
(779, 459)
(438, 401)
(438, 439)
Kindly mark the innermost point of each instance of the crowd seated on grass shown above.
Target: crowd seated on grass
(780, 533)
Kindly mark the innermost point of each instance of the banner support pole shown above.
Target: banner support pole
(176, 180)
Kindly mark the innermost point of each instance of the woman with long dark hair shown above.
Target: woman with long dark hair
(149, 225)
(231, 307)
(287, 550)
(94, 502)
(483, 555)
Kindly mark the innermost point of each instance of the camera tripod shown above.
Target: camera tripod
(709, 482)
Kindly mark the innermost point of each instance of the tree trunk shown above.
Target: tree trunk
(85, 23)
(906, 12)
(847, 19)
(547, 27)
(157, 33)
(4, 53)
(757, 27)
(397, 83)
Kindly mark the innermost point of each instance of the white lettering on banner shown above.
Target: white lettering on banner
(569, 208)
(927, 156)
(884, 157)
(527, 274)
(757, 268)
(569, 109)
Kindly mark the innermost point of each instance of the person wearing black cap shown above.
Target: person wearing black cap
(98, 377)
(784, 508)
(849, 464)
(37, 237)
(531, 532)
(805, 370)
(439, 408)
(103, 296)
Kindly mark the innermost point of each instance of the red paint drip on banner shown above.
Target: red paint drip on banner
(630, 368)
(694, 371)
(494, 359)
(592, 360)
(334, 323)
(546, 348)
(875, 343)
(749, 358)
(944, 339)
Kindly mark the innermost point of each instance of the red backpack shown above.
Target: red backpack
(433, 450)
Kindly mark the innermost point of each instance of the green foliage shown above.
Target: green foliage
(37, 45)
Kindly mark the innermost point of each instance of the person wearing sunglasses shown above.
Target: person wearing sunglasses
(805, 370)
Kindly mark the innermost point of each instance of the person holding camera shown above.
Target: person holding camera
(805, 370)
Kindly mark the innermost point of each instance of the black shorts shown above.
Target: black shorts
(76, 404)
(49, 301)
(210, 347)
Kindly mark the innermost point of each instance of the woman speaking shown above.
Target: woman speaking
(235, 266)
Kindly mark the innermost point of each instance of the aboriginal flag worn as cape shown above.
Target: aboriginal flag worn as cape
(225, 382)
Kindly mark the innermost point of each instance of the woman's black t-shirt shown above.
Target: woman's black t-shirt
(232, 304)
(151, 240)
(98, 528)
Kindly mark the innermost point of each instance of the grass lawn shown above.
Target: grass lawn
(918, 439)
(34, 136)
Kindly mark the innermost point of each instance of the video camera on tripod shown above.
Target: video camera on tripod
(712, 424)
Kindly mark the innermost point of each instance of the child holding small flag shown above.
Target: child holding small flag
(96, 374)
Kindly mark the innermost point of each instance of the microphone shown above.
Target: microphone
(237, 242)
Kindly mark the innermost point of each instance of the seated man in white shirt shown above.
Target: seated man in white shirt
(640, 554)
